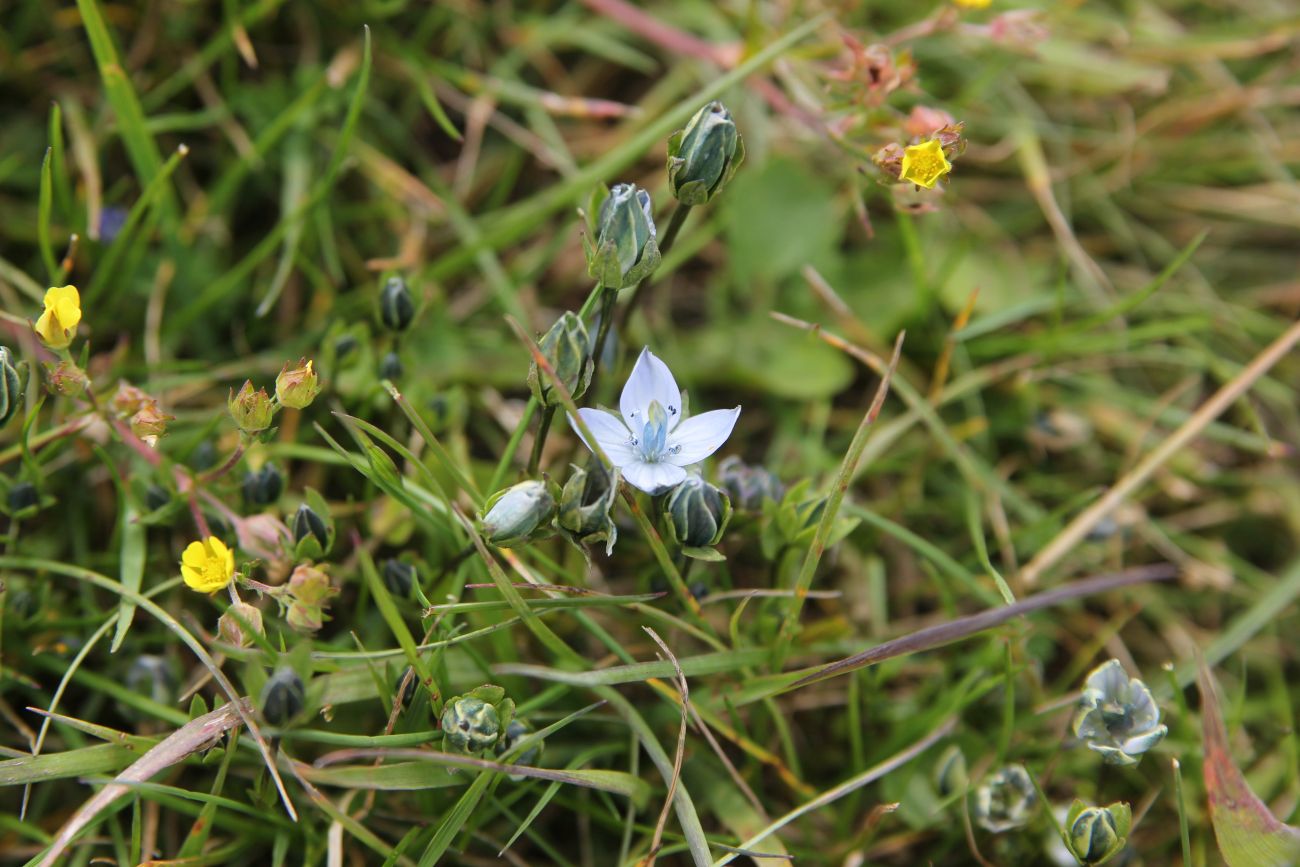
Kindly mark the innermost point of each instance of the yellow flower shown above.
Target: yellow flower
(972, 4)
(207, 566)
(925, 164)
(62, 313)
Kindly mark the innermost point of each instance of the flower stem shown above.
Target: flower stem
(539, 441)
(675, 223)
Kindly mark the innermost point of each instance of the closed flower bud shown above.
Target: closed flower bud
(67, 379)
(400, 578)
(1117, 715)
(697, 513)
(128, 399)
(1096, 834)
(306, 522)
(283, 696)
(512, 516)
(297, 387)
(1006, 800)
(263, 487)
(516, 732)
(11, 386)
(748, 486)
(238, 623)
(627, 249)
(204, 456)
(310, 585)
(304, 617)
(23, 500)
(390, 366)
(251, 410)
(470, 725)
(152, 677)
(568, 351)
(703, 156)
(585, 504)
(156, 496)
(950, 774)
(396, 306)
(149, 422)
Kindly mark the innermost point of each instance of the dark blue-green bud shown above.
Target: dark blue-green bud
(398, 577)
(307, 523)
(627, 248)
(1096, 834)
(697, 513)
(283, 696)
(748, 486)
(585, 505)
(204, 456)
(390, 367)
(156, 496)
(23, 500)
(513, 516)
(516, 732)
(470, 725)
(396, 306)
(263, 487)
(703, 157)
(11, 386)
(567, 349)
(153, 677)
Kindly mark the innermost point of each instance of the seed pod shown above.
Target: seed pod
(251, 410)
(390, 366)
(627, 248)
(568, 351)
(396, 306)
(11, 386)
(297, 387)
(515, 515)
(1096, 834)
(399, 577)
(283, 696)
(704, 156)
(470, 725)
(263, 487)
(697, 513)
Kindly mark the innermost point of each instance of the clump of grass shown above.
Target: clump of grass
(319, 541)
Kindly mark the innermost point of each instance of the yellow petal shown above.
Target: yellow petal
(51, 331)
(195, 555)
(66, 303)
(193, 577)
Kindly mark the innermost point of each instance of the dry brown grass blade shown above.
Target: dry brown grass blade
(175, 748)
(685, 692)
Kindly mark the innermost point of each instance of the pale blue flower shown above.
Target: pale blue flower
(1117, 715)
(648, 439)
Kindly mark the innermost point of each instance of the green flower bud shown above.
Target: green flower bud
(469, 725)
(516, 732)
(396, 306)
(585, 504)
(515, 515)
(627, 249)
(11, 386)
(703, 157)
(283, 696)
(251, 410)
(263, 487)
(390, 366)
(297, 387)
(67, 379)
(23, 500)
(568, 350)
(748, 486)
(1006, 800)
(307, 523)
(238, 623)
(1117, 715)
(310, 585)
(1096, 834)
(697, 513)
(400, 578)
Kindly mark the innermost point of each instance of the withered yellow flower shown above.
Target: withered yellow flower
(58, 322)
(207, 566)
(925, 164)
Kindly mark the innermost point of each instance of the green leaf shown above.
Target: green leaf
(131, 567)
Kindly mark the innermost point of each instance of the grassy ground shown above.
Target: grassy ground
(1098, 303)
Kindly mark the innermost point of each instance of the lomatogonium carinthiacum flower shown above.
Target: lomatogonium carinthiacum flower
(649, 440)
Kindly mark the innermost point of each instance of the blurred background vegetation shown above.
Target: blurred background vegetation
(1117, 242)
